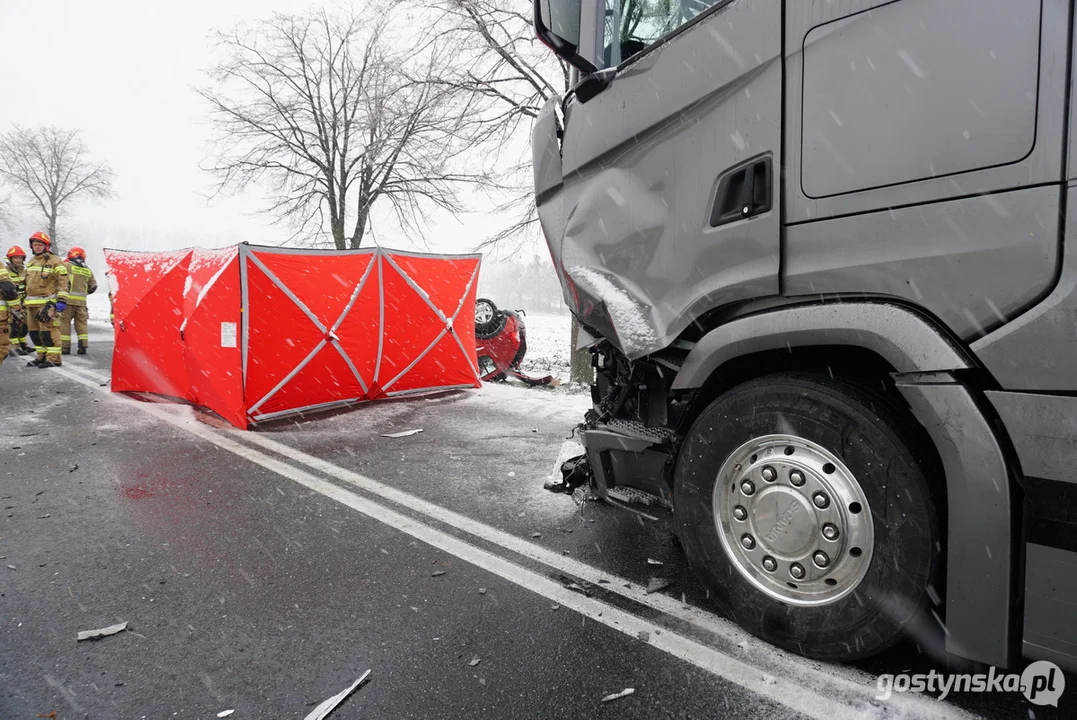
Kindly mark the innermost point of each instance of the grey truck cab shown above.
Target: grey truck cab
(822, 256)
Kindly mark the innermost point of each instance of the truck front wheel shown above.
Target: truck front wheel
(803, 504)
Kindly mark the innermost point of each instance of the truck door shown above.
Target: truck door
(671, 171)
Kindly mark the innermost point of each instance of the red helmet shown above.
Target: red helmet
(42, 237)
(16, 251)
(76, 252)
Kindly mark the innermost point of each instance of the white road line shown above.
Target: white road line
(857, 685)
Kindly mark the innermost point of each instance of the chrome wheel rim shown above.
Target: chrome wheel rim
(484, 313)
(794, 520)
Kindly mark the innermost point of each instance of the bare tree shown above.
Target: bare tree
(49, 167)
(324, 112)
(7, 213)
(500, 61)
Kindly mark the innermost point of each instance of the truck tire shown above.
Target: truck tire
(803, 505)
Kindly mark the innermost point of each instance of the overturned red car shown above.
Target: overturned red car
(501, 343)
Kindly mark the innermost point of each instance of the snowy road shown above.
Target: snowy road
(264, 572)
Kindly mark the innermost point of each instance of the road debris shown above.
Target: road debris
(331, 704)
(652, 561)
(46, 516)
(225, 713)
(644, 636)
(103, 632)
(73, 468)
(50, 715)
(657, 584)
(11, 567)
(617, 696)
(555, 608)
(475, 661)
(438, 573)
(580, 587)
(482, 591)
(404, 434)
(536, 535)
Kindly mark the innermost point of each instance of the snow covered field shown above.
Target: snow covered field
(548, 345)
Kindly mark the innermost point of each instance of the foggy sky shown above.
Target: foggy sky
(122, 72)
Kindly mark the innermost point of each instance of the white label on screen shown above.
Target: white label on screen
(228, 335)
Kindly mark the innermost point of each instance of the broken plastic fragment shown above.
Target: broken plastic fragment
(652, 561)
(331, 704)
(536, 535)
(439, 573)
(475, 661)
(406, 433)
(644, 636)
(482, 591)
(657, 584)
(225, 713)
(103, 632)
(617, 696)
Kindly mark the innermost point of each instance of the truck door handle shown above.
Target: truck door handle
(743, 192)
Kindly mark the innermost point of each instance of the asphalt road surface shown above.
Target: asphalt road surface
(264, 572)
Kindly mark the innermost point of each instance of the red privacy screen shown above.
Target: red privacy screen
(257, 333)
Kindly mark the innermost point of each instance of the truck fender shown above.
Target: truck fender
(899, 335)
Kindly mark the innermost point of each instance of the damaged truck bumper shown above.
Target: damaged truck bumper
(625, 464)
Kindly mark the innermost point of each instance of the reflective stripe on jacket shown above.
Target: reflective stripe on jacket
(81, 283)
(46, 279)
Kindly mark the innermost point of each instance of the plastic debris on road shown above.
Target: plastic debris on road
(406, 433)
(475, 662)
(103, 632)
(225, 713)
(617, 696)
(332, 703)
(657, 584)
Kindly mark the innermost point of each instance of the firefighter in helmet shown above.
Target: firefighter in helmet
(81, 284)
(46, 299)
(16, 268)
(9, 295)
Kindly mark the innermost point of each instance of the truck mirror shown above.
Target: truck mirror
(557, 24)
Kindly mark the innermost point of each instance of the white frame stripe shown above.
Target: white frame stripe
(291, 296)
(381, 316)
(295, 371)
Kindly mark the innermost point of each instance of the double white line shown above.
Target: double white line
(818, 692)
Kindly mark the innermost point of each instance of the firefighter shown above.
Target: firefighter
(9, 294)
(81, 284)
(46, 299)
(16, 267)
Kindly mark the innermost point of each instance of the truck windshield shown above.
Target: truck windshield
(633, 25)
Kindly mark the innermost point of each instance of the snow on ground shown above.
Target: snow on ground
(549, 338)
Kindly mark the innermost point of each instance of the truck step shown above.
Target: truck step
(632, 496)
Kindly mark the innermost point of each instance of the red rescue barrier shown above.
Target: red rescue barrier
(256, 333)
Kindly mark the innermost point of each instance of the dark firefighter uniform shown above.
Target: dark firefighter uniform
(16, 268)
(9, 295)
(81, 284)
(46, 299)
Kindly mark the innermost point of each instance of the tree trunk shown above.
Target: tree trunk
(339, 240)
(581, 371)
(360, 231)
(52, 235)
